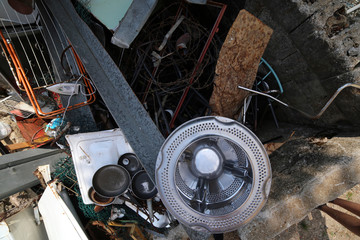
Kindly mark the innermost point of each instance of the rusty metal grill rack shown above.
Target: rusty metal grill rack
(39, 55)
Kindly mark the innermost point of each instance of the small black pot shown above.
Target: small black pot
(142, 187)
(130, 162)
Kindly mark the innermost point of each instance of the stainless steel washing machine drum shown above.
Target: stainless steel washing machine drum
(213, 174)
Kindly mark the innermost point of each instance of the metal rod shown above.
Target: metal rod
(18, 37)
(202, 55)
(62, 39)
(353, 9)
(159, 101)
(314, 117)
(33, 52)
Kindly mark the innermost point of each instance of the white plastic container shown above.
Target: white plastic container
(5, 130)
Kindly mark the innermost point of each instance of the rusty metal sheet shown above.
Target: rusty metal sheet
(238, 63)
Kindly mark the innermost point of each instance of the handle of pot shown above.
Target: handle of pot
(150, 209)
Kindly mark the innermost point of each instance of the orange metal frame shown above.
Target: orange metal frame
(23, 80)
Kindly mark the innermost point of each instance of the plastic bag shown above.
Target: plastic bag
(5, 130)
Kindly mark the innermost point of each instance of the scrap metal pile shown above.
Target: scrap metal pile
(171, 69)
(166, 143)
(172, 66)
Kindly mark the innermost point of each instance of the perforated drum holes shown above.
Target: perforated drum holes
(211, 174)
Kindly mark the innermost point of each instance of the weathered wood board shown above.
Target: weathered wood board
(238, 63)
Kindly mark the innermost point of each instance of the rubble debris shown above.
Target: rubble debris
(61, 133)
(117, 213)
(238, 63)
(106, 232)
(337, 22)
(5, 130)
(134, 230)
(56, 215)
(17, 202)
(171, 31)
(354, 8)
(353, 51)
(31, 128)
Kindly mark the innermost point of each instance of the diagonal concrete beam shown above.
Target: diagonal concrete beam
(127, 111)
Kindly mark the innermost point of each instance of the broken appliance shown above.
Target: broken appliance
(213, 174)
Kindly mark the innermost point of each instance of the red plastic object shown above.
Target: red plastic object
(30, 128)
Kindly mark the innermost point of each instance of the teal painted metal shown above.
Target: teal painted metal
(271, 72)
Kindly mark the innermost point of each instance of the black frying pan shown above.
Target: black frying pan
(111, 181)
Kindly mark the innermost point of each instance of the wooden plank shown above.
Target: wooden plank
(17, 146)
(39, 141)
(238, 63)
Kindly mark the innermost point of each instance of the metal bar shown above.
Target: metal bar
(313, 117)
(202, 55)
(33, 52)
(21, 43)
(274, 74)
(159, 101)
(55, 29)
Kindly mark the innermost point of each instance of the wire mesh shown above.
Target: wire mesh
(34, 44)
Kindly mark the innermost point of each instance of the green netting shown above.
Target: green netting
(65, 172)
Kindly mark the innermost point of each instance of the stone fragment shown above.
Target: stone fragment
(353, 52)
(305, 175)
